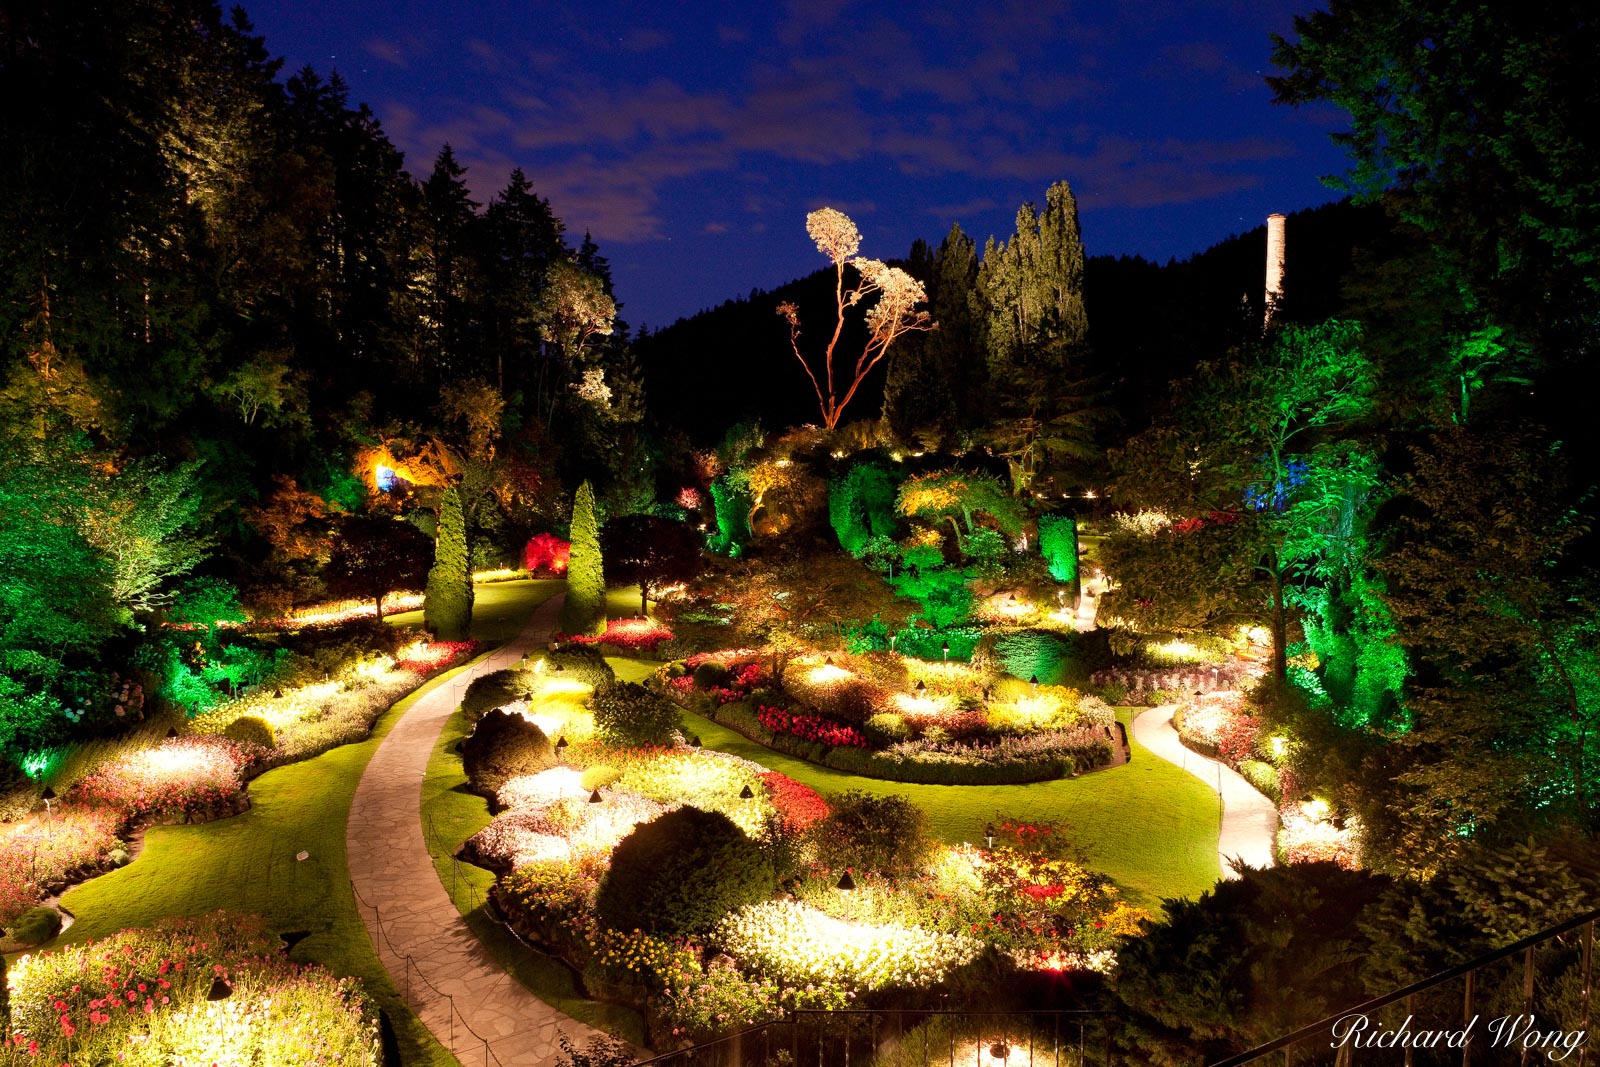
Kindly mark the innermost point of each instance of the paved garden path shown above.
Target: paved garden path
(1249, 820)
(390, 868)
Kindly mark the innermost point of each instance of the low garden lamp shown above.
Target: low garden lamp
(746, 793)
(922, 687)
(596, 798)
(172, 733)
(561, 744)
(846, 882)
(220, 989)
(1034, 681)
(48, 796)
(945, 648)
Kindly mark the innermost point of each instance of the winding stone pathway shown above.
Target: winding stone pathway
(390, 868)
(1249, 820)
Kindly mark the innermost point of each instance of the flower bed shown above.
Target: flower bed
(46, 851)
(189, 779)
(810, 728)
(799, 945)
(1310, 836)
(148, 991)
(624, 637)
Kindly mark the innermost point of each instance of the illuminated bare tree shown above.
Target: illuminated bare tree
(893, 313)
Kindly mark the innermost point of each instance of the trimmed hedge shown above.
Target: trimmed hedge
(502, 747)
(495, 690)
(681, 873)
(582, 663)
(885, 835)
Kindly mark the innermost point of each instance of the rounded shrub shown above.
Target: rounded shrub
(710, 674)
(582, 663)
(682, 873)
(504, 746)
(36, 926)
(627, 713)
(887, 728)
(252, 730)
(495, 690)
(887, 835)
(599, 776)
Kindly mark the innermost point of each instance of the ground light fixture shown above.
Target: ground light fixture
(745, 793)
(922, 687)
(172, 733)
(596, 798)
(220, 989)
(561, 744)
(846, 882)
(945, 648)
(1034, 681)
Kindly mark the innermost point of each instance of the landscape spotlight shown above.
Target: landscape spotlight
(172, 733)
(595, 798)
(922, 687)
(220, 989)
(561, 744)
(745, 793)
(845, 881)
(1034, 681)
(827, 661)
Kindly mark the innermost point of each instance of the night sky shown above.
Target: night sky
(692, 138)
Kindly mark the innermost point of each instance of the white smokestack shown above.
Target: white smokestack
(1275, 247)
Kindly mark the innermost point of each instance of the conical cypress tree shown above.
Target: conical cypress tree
(447, 612)
(585, 609)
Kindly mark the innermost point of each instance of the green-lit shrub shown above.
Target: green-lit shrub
(585, 609)
(627, 713)
(884, 834)
(447, 611)
(582, 663)
(1058, 544)
(861, 506)
(504, 746)
(1054, 658)
(681, 873)
(495, 690)
(730, 497)
(251, 729)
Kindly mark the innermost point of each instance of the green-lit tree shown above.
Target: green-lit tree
(447, 610)
(1058, 544)
(585, 609)
(1263, 468)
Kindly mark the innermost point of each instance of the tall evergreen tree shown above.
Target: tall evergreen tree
(447, 611)
(449, 217)
(932, 375)
(585, 609)
(1029, 311)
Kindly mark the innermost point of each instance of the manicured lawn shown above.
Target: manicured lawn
(499, 609)
(247, 863)
(1149, 825)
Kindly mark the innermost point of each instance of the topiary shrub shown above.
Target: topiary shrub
(504, 746)
(495, 690)
(447, 609)
(627, 713)
(887, 835)
(252, 730)
(583, 664)
(1058, 544)
(585, 609)
(681, 873)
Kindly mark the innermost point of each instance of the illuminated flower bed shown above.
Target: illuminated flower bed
(798, 806)
(46, 851)
(631, 636)
(1309, 835)
(427, 657)
(181, 779)
(563, 826)
(810, 728)
(538, 790)
(1218, 725)
(800, 945)
(144, 996)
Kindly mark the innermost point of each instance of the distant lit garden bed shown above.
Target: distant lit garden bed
(896, 717)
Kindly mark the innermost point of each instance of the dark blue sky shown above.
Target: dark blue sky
(692, 138)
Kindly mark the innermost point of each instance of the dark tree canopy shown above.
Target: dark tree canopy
(373, 557)
(651, 551)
